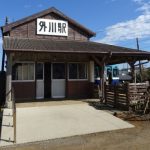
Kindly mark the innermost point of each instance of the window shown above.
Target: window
(73, 71)
(82, 71)
(39, 71)
(58, 71)
(23, 71)
(77, 71)
(115, 72)
(109, 70)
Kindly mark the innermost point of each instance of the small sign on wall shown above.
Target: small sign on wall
(52, 27)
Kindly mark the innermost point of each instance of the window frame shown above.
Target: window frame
(25, 62)
(86, 69)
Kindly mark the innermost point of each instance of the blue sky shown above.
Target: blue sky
(116, 22)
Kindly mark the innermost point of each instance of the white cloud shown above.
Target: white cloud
(139, 27)
(144, 6)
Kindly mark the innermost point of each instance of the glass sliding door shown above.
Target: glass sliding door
(58, 80)
(39, 81)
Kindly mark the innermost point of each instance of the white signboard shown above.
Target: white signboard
(52, 27)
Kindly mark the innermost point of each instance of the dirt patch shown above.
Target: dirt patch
(137, 138)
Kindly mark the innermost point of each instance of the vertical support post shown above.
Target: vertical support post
(102, 76)
(133, 73)
(9, 81)
(91, 71)
(140, 66)
(105, 88)
(91, 78)
(35, 68)
(66, 77)
(103, 80)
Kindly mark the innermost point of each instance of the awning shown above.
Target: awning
(68, 46)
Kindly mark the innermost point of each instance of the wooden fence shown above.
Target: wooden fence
(121, 96)
(117, 96)
(137, 91)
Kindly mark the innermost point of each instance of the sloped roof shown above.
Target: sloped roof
(68, 46)
(8, 27)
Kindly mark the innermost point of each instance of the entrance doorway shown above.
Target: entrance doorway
(58, 80)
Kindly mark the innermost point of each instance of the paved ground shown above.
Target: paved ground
(137, 138)
(57, 121)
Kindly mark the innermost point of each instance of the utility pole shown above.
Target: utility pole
(3, 56)
(137, 42)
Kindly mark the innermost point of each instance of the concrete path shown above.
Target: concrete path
(50, 122)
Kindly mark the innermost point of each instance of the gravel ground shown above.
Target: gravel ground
(137, 138)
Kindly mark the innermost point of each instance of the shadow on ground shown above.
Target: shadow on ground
(100, 106)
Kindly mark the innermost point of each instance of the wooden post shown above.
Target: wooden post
(133, 73)
(141, 78)
(102, 76)
(66, 77)
(91, 78)
(91, 71)
(35, 66)
(105, 86)
(9, 81)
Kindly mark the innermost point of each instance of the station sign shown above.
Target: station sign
(52, 27)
